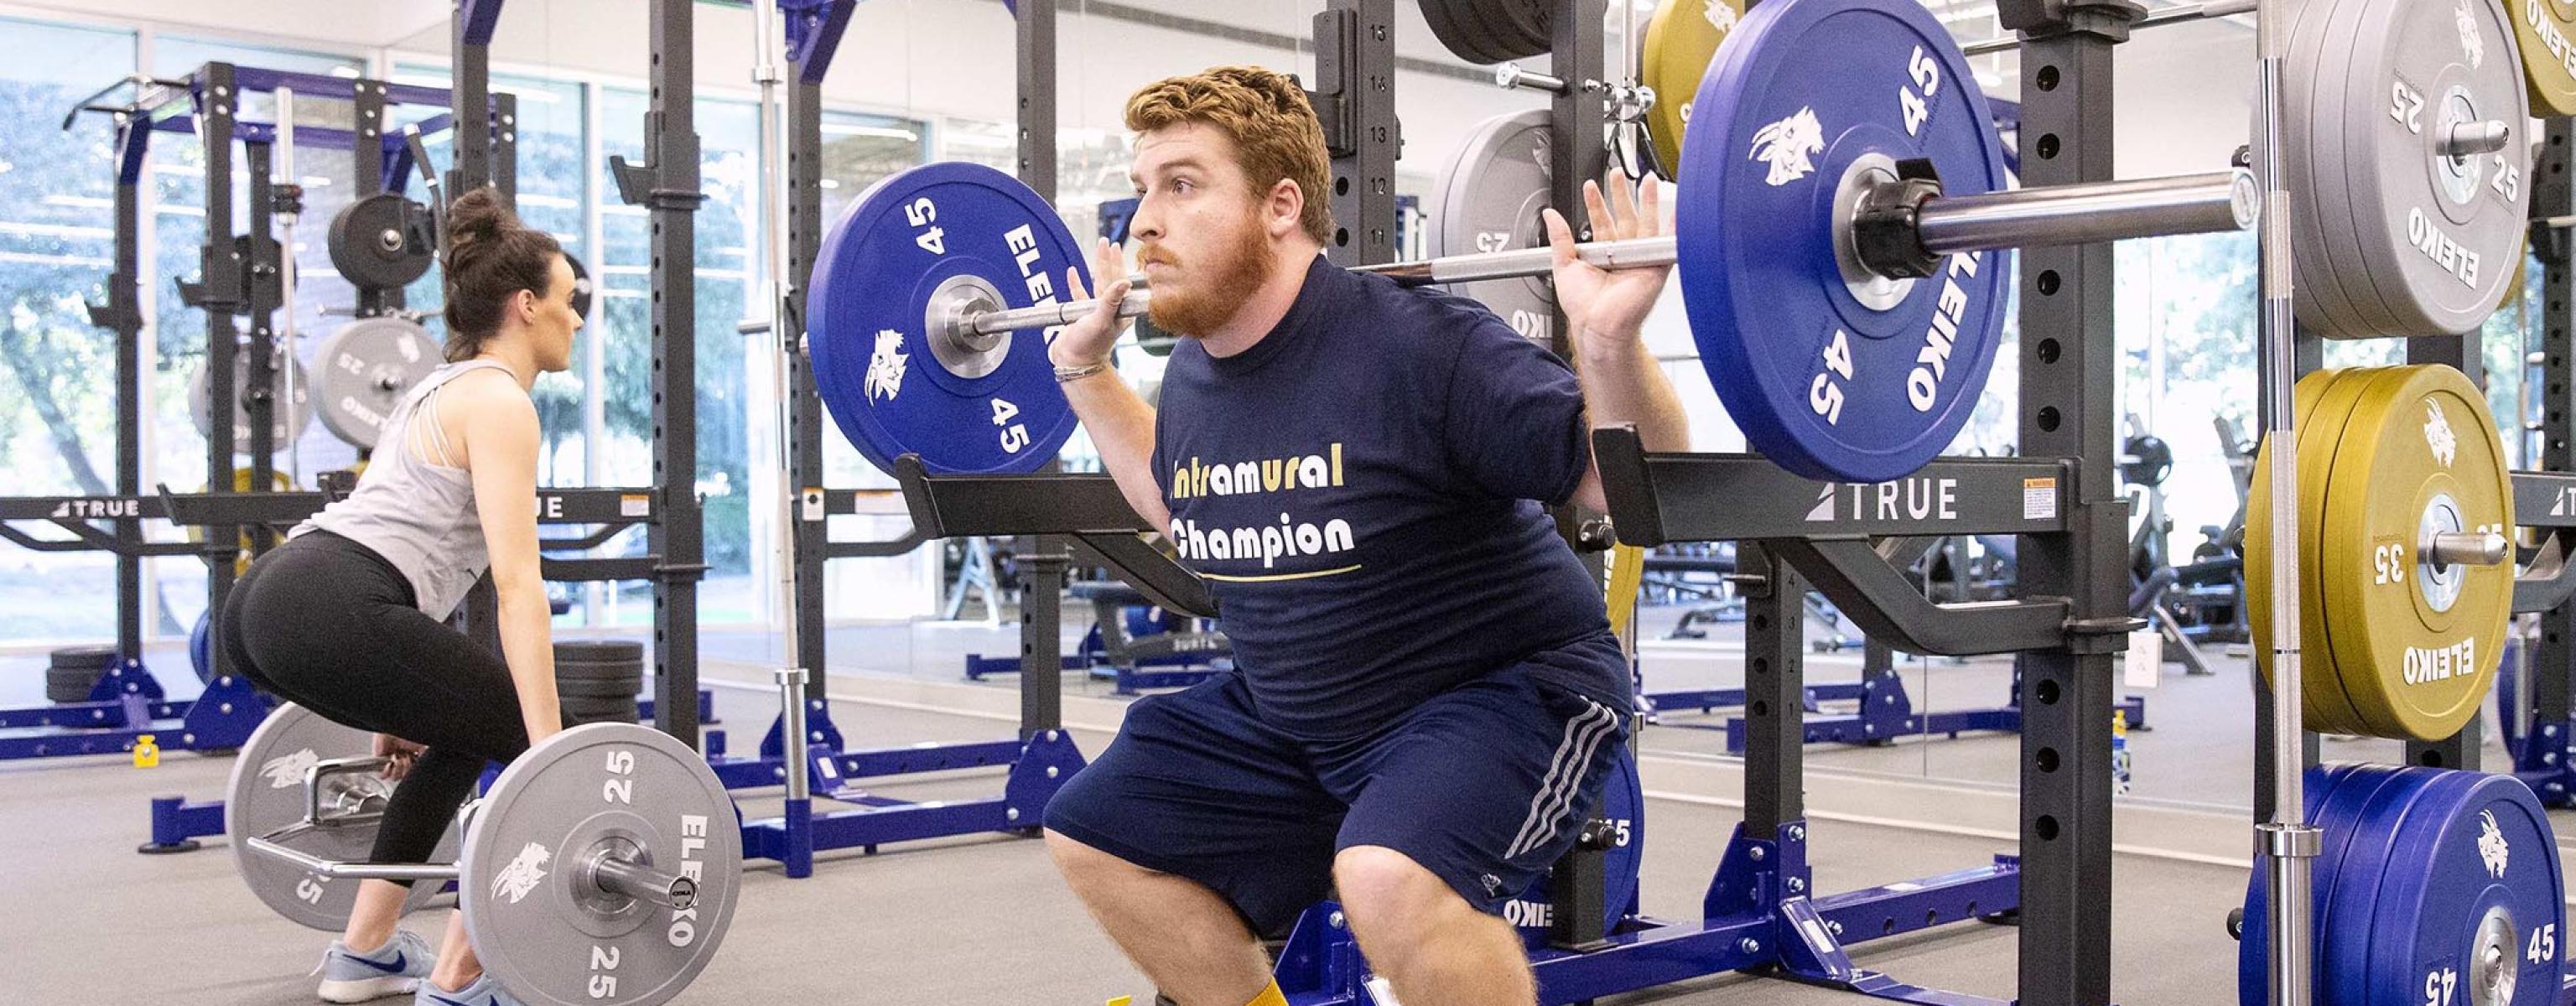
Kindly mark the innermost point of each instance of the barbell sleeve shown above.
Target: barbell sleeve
(2084, 214)
(619, 875)
(1511, 75)
(2469, 139)
(2468, 548)
(1945, 225)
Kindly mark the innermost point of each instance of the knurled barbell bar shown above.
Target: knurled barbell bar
(1893, 234)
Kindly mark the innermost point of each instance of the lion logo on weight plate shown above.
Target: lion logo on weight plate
(886, 366)
(2471, 43)
(286, 771)
(524, 873)
(2491, 847)
(2438, 436)
(1721, 14)
(1787, 144)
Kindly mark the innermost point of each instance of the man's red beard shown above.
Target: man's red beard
(1217, 286)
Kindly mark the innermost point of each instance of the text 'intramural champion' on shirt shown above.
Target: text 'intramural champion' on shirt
(1290, 537)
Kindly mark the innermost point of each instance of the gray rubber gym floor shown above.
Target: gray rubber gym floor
(985, 920)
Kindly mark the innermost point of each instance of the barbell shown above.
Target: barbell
(1837, 248)
(1897, 232)
(601, 866)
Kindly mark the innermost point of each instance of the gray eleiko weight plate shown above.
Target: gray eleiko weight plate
(2459, 57)
(2321, 300)
(362, 371)
(550, 941)
(2346, 107)
(1489, 200)
(266, 793)
(288, 424)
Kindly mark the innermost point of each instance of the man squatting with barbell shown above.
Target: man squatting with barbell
(1428, 694)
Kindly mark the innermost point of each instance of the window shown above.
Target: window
(727, 276)
(57, 246)
(58, 395)
(554, 195)
(2188, 313)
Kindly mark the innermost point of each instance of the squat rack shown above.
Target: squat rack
(128, 701)
(1760, 914)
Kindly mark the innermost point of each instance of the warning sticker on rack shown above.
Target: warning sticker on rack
(2039, 499)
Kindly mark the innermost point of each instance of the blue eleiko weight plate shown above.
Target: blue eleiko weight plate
(201, 648)
(874, 362)
(1622, 800)
(2252, 964)
(2375, 817)
(2472, 898)
(1804, 94)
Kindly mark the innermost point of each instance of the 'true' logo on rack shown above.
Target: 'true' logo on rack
(87, 509)
(1913, 499)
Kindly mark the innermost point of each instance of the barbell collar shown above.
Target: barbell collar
(619, 875)
(2468, 548)
(353, 871)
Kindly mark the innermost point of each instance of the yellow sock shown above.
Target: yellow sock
(1270, 996)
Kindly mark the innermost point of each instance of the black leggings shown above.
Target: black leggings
(329, 624)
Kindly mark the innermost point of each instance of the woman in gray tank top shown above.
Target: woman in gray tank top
(346, 617)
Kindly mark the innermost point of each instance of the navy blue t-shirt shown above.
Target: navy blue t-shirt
(1362, 489)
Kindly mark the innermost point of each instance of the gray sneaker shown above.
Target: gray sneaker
(482, 991)
(391, 970)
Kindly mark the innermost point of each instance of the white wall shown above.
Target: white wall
(2184, 97)
(953, 58)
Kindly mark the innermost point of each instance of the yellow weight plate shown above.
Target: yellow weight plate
(2543, 30)
(2521, 270)
(2323, 400)
(278, 482)
(1681, 39)
(1623, 573)
(2320, 686)
(2415, 643)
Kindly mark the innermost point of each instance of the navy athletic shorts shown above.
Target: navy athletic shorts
(1485, 785)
